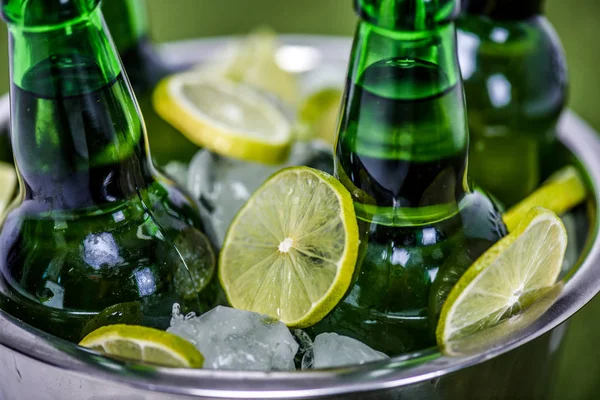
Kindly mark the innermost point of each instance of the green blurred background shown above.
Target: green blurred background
(577, 24)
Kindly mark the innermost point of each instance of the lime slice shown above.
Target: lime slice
(318, 115)
(138, 343)
(8, 182)
(122, 313)
(228, 118)
(506, 330)
(291, 250)
(507, 278)
(562, 191)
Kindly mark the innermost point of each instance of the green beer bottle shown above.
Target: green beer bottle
(96, 235)
(515, 79)
(402, 153)
(127, 21)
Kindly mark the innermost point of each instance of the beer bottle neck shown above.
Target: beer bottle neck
(407, 15)
(127, 22)
(46, 14)
(436, 46)
(77, 136)
(61, 43)
(403, 136)
(505, 10)
(404, 42)
(411, 67)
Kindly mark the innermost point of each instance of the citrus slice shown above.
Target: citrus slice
(226, 117)
(129, 313)
(318, 115)
(507, 278)
(506, 330)
(138, 343)
(290, 251)
(8, 182)
(253, 60)
(562, 191)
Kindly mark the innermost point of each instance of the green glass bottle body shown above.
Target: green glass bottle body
(127, 22)
(402, 153)
(515, 79)
(95, 226)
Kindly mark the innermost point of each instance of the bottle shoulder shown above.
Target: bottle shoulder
(485, 45)
(512, 69)
(508, 33)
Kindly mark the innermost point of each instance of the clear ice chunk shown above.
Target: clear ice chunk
(223, 185)
(332, 350)
(303, 339)
(305, 347)
(237, 340)
(177, 171)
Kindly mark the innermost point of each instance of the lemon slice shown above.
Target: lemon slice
(562, 191)
(507, 278)
(253, 61)
(226, 117)
(290, 252)
(138, 343)
(8, 182)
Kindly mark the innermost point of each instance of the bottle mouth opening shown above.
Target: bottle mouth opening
(46, 14)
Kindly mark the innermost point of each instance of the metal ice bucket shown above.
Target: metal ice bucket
(36, 366)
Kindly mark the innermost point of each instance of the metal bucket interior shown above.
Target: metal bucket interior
(38, 366)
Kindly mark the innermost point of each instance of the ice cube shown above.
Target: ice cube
(305, 346)
(325, 76)
(237, 340)
(333, 350)
(303, 339)
(223, 185)
(177, 171)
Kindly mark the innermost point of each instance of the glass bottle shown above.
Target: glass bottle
(402, 152)
(515, 79)
(96, 234)
(128, 24)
